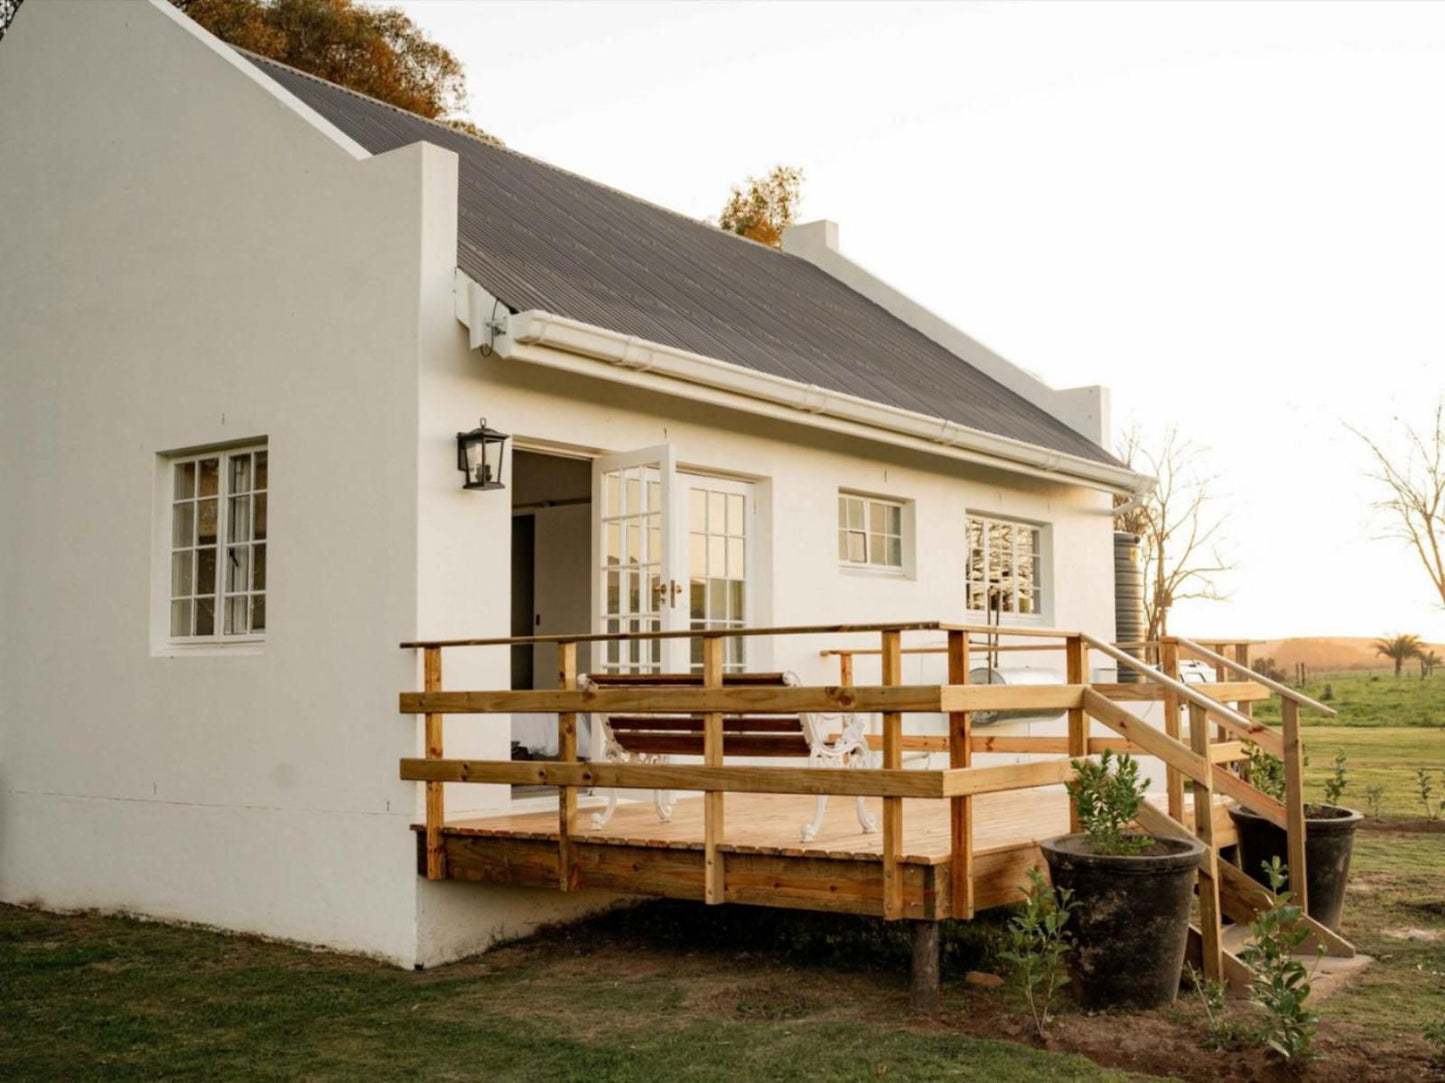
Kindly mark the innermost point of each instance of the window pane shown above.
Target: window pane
(611, 495)
(205, 571)
(258, 567)
(239, 527)
(737, 594)
(697, 511)
(634, 543)
(613, 553)
(876, 549)
(855, 513)
(877, 516)
(842, 545)
(697, 554)
(633, 493)
(654, 493)
(842, 512)
(260, 470)
(716, 513)
(895, 552)
(240, 474)
(238, 560)
(736, 558)
(181, 618)
(210, 476)
(258, 613)
(206, 522)
(259, 526)
(717, 599)
(185, 480)
(735, 514)
(205, 616)
(180, 575)
(895, 519)
(697, 599)
(857, 548)
(235, 616)
(183, 525)
(716, 556)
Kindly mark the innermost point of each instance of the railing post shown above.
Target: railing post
(1076, 665)
(566, 753)
(845, 669)
(436, 868)
(1294, 801)
(1209, 923)
(892, 806)
(1173, 780)
(960, 754)
(712, 755)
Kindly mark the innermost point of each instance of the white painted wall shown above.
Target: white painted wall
(197, 263)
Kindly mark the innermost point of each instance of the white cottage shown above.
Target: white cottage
(245, 314)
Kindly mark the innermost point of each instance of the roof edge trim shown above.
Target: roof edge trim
(536, 336)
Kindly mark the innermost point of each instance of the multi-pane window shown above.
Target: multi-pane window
(632, 586)
(870, 532)
(1005, 566)
(218, 544)
(717, 539)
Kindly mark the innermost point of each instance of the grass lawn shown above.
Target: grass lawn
(1374, 699)
(1378, 756)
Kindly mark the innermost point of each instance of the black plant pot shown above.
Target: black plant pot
(1329, 841)
(1131, 919)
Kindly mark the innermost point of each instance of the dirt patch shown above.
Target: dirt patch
(1414, 934)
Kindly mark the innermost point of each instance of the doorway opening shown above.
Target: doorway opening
(551, 590)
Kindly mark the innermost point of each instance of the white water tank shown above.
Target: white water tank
(1015, 675)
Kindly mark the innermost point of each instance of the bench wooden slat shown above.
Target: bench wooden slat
(734, 744)
(626, 723)
(685, 680)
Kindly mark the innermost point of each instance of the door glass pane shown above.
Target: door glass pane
(717, 548)
(210, 476)
(205, 616)
(205, 571)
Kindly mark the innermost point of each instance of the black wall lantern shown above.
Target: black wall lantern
(479, 457)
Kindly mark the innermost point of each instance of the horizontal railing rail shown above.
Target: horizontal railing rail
(1284, 691)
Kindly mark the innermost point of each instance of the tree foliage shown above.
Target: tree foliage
(1399, 649)
(1177, 522)
(375, 51)
(8, 8)
(1413, 477)
(765, 206)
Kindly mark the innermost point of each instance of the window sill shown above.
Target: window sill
(250, 645)
(874, 571)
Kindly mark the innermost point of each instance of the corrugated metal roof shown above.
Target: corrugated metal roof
(538, 237)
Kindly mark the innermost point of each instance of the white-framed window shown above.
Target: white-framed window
(217, 540)
(1005, 566)
(871, 532)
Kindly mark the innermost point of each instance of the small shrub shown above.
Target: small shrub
(1266, 771)
(1329, 693)
(1036, 944)
(1221, 1034)
(1375, 796)
(1107, 802)
(1279, 983)
(1336, 783)
(1433, 809)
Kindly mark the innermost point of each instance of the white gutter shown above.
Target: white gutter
(560, 342)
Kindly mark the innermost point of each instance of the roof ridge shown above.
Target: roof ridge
(500, 146)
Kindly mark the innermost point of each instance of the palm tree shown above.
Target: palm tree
(1428, 661)
(1401, 648)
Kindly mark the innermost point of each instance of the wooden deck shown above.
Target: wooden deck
(841, 869)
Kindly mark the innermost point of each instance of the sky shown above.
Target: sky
(1233, 215)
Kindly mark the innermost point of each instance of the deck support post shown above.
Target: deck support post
(925, 979)
(712, 755)
(1076, 665)
(960, 754)
(1209, 922)
(1173, 780)
(566, 753)
(436, 866)
(892, 806)
(1294, 803)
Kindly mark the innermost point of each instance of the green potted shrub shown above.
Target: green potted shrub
(1131, 891)
(1329, 836)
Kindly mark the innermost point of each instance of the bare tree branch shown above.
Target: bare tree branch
(1177, 523)
(1414, 480)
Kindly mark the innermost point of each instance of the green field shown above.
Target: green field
(1373, 699)
(1381, 756)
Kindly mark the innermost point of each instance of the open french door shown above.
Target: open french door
(636, 565)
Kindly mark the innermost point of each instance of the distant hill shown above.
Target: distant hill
(1325, 652)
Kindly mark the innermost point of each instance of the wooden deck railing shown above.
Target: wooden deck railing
(1203, 763)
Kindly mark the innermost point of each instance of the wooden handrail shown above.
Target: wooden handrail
(684, 633)
(1257, 732)
(1274, 686)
